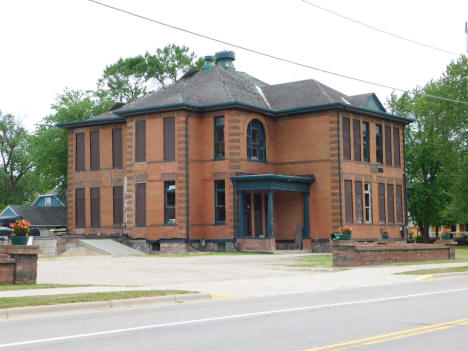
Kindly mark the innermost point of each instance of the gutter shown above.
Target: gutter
(90, 122)
(187, 182)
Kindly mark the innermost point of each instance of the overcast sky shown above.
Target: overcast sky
(50, 45)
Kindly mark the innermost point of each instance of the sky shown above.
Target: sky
(49, 45)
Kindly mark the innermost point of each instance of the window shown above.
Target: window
(140, 215)
(169, 202)
(94, 150)
(382, 215)
(256, 141)
(95, 207)
(388, 145)
(390, 205)
(140, 141)
(358, 195)
(399, 204)
(357, 139)
(453, 228)
(80, 152)
(366, 141)
(348, 188)
(48, 201)
(368, 202)
(117, 148)
(219, 138)
(169, 139)
(346, 140)
(80, 210)
(378, 143)
(220, 201)
(396, 147)
(117, 205)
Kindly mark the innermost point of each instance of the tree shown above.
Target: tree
(15, 157)
(436, 148)
(133, 77)
(49, 143)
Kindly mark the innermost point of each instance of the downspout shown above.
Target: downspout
(187, 183)
(339, 166)
(405, 181)
(234, 212)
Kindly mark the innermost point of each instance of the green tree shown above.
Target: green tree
(14, 156)
(436, 148)
(49, 143)
(133, 77)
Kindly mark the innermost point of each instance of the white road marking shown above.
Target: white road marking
(234, 316)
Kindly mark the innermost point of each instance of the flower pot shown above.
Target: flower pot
(446, 236)
(339, 236)
(19, 239)
(385, 236)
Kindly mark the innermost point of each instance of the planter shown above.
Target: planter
(339, 236)
(447, 236)
(19, 239)
(385, 236)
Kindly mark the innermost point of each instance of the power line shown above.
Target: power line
(380, 30)
(268, 55)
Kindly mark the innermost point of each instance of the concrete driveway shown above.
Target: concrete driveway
(232, 275)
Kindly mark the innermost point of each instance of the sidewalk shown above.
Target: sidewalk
(237, 276)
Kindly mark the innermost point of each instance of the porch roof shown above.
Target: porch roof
(273, 182)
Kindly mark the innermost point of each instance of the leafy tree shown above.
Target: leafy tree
(436, 148)
(130, 78)
(49, 143)
(14, 157)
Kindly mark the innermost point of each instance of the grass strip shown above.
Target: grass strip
(37, 286)
(22, 301)
(461, 255)
(314, 260)
(435, 271)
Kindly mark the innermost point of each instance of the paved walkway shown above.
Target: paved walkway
(232, 275)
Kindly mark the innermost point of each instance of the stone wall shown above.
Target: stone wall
(367, 254)
(18, 264)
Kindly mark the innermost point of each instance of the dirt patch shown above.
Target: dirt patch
(80, 251)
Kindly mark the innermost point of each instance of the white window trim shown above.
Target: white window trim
(368, 192)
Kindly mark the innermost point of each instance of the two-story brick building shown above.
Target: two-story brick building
(223, 157)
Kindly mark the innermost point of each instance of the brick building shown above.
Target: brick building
(223, 157)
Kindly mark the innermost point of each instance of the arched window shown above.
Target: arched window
(256, 141)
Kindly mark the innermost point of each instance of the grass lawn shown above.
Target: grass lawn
(436, 271)
(7, 302)
(35, 286)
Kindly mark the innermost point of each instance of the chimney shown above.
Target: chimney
(208, 63)
(225, 59)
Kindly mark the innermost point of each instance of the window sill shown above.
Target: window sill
(259, 161)
(220, 224)
(118, 226)
(219, 159)
(170, 224)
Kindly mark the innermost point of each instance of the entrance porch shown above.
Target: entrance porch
(272, 208)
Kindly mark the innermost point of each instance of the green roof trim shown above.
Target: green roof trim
(92, 122)
(269, 111)
(234, 104)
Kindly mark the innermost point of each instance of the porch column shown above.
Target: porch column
(240, 212)
(306, 216)
(269, 229)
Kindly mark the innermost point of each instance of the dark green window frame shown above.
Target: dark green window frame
(169, 202)
(220, 201)
(256, 141)
(366, 141)
(378, 144)
(219, 153)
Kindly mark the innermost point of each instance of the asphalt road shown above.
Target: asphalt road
(421, 315)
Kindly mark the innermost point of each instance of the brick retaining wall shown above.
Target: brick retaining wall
(348, 254)
(257, 244)
(18, 264)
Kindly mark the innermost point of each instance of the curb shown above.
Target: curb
(32, 311)
(441, 275)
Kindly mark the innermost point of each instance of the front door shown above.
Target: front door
(247, 214)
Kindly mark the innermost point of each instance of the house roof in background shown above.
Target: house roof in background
(42, 216)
